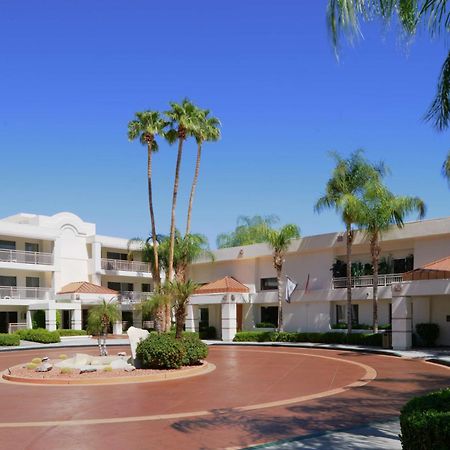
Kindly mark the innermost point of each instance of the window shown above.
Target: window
(121, 287)
(32, 282)
(116, 255)
(7, 245)
(146, 287)
(269, 284)
(269, 314)
(341, 314)
(8, 281)
(31, 247)
(355, 314)
(204, 319)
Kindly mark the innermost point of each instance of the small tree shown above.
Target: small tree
(100, 317)
(279, 241)
(180, 292)
(156, 306)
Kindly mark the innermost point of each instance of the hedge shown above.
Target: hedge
(325, 338)
(195, 349)
(39, 335)
(9, 339)
(72, 332)
(161, 351)
(425, 422)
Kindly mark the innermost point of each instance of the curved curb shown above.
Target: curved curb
(173, 375)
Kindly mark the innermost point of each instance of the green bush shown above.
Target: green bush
(9, 339)
(325, 338)
(161, 351)
(195, 349)
(265, 325)
(39, 335)
(428, 333)
(208, 333)
(355, 326)
(425, 422)
(72, 332)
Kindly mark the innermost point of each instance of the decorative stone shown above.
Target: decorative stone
(136, 335)
(121, 354)
(130, 368)
(119, 364)
(88, 370)
(45, 359)
(45, 367)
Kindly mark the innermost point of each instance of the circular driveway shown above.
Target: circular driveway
(256, 394)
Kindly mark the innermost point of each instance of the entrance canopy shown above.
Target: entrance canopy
(436, 270)
(223, 286)
(85, 292)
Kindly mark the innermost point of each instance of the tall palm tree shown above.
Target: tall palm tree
(146, 126)
(180, 292)
(379, 210)
(155, 304)
(100, 317)
(207, 130)
(342, 193)
(279, 241)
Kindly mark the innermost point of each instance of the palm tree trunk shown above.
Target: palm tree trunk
(194, 185)
(179, 318)
(375, 251)
(280, 312)
(349, 278)
(172, 224)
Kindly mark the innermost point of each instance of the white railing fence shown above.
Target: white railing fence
(19, 256)
(367, 280)
(13, 327)
(24, 293)
(127, 266)
(133, 296)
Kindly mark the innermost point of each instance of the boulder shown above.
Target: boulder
(45, 367)
(136, 335)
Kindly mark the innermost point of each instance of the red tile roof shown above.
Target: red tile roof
(227, 284)
(439, 269)
(83, 287)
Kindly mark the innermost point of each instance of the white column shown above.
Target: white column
(76, 319)
(96, 257)
(228, 318)
(401, 323)
(117, 327)
(29, 320)
(192, 318)
(50, 317)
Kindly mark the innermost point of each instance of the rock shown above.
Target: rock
(121, 354)
(88, 370)
(45, 367)
(136, 335)
(45, 359)
(118, 364)
(130, 368)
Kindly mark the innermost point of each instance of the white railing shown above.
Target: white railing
(127, 266)
(127, 297)
(367, 281)
(24, 293)
(13, 327)
(19, 256)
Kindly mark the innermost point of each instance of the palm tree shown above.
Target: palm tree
(180, 292)
(156, 304)
(342, 193)
(146, 127)
(446, 168)
(207, 130)
(279, 241)
(100, 317)
(379, 210)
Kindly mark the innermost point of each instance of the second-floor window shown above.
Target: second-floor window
(31, 247)
(120, 287)
(7, 245)
(269, 284)
(116, 255)
(146, 287)
(8, 281)
(32, 282)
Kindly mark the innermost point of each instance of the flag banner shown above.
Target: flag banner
(290, 288)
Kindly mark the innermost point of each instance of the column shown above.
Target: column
(401, 323)
(76, 319)
(228, 318)
(137, 318)
(96, 257)
(117, 327)
(29, 320)
(192, 318)
(50, 318)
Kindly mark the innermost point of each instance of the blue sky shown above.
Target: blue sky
(74, 73)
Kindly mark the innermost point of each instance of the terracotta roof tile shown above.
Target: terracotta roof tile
(439, 269)
(227, 284)
(83, 287)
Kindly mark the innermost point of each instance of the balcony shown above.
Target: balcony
(367, 281)
(24, 293)
(23, 257)
(130, 297)
(125, 266)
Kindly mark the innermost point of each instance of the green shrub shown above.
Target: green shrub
(161, 351)
(9, 339)
(265, 325)
(208, 333)
(107, 369)
(425, 422)
(39, 335)
(36, 360)
(38, 319)
(325, 338)
(72, 332)
(428, 333)
(66, 370)
(195, 349)
(31, 366)
(62, 356)
(355, 326)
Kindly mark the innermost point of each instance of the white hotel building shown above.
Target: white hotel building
(60, 263)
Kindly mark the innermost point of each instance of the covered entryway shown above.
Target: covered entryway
(225, 299)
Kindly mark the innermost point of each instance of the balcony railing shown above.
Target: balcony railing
(367, 281)
(24, 293)
(129, 297)
(126, 266)
(19, 256)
